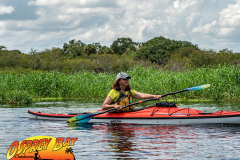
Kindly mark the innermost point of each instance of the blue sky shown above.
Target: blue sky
(43, 24)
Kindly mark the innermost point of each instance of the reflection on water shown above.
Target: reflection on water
(80, 126)
(151, 141)
(104, 141)
(121, 138)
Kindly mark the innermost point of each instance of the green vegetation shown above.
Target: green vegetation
(160, 49)
(30, 87)
(122, 55)
(86, 71)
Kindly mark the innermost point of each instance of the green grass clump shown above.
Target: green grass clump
(16, 97)
(36, 86)
(224, 80)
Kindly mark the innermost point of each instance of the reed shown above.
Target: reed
(30, 87)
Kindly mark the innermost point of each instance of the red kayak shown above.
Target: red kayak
(152, 115)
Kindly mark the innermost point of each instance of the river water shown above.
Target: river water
(102, 141)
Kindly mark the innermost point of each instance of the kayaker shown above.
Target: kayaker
(122, 94)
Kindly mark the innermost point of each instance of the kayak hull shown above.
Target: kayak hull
(169, 121)
(151, 115)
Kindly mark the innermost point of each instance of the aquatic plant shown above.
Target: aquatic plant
(28, 87)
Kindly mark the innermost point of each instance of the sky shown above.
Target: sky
(43, 24)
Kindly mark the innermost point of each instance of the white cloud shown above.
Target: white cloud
(223, 32)
(203, 22)
(43, 37)
(192, 19)
(6, 9)
(224, 25)
(206, 29)
(45, 2)
(230, 16)
(71, 3)
(181, 6)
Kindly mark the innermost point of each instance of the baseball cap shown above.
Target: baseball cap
(122, 75)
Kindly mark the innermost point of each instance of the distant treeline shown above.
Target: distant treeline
(122, 55)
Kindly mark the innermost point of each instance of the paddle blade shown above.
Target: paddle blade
(197, 87)
(81, 118)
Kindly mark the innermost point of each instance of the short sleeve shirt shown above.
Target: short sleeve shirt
(114, 94)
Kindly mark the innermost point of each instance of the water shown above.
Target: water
(124, 141)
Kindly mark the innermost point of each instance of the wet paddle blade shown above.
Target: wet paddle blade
(81, 118)
(198, 87)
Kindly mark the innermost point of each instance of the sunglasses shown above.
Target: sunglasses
(125, 78)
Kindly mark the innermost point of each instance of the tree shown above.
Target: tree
(33, 51)
(121, 44)
(73, 49)
(97, 46)
(159, 49)
(105, 50)
(90, 49)
(226, 50)
(2, 47)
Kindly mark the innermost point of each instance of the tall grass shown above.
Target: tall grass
(28, 87)
(224, 80)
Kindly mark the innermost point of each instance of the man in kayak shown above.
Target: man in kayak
(122, 94)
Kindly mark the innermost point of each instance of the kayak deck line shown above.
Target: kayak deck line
(62, 115)
(191, 117)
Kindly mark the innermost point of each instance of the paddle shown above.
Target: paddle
(86, 117)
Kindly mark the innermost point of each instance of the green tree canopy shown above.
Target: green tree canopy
(73, 49)
(159, 49)
(90, 49)
(121, 44)
(2, 47)
(105, 50)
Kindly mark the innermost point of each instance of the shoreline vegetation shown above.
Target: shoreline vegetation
(80, 71)
(36, 86)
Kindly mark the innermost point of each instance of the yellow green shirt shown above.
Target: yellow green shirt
(114, 94)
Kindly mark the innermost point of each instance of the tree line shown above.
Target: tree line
(122, 55)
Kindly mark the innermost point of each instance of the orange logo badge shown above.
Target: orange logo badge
(42, 147)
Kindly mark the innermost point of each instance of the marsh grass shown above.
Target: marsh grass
(29, 87)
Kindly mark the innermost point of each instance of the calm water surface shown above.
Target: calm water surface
(124, 141)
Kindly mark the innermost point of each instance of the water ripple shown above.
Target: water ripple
(102, 141)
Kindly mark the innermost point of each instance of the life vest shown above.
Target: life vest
(124, 100)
